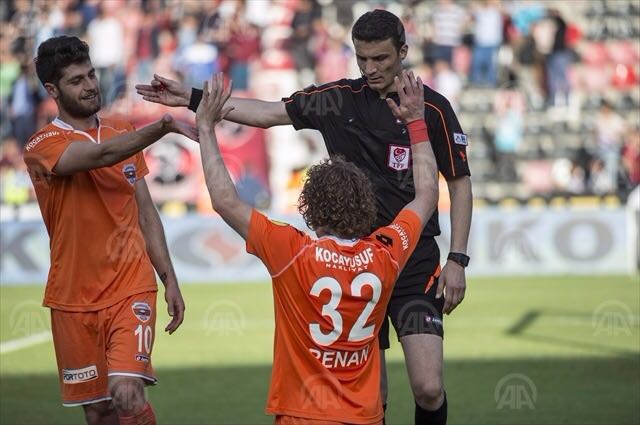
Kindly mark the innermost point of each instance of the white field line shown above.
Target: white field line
(25, 342)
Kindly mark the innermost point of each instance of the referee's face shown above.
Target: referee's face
(379, 62)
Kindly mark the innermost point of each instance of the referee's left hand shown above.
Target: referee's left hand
(453, 282)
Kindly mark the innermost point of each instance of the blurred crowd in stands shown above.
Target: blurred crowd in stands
(548, 91)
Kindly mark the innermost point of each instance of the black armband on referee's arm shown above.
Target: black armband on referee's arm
(196, 97)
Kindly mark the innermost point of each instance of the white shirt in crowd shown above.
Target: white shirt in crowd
(449, 21)
(106, 39)
(488, 27)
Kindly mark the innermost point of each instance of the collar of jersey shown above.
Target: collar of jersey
(340, 241)
(66, 126)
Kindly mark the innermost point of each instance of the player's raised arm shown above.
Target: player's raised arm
(82, 156)
(252, 112)
(425, 169)
(224, 197)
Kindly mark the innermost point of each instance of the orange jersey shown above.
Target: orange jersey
(98, 254)
(330, 298)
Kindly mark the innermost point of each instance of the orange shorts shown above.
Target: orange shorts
(292, 420)
(91, 346)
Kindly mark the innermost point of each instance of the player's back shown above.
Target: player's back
(330, 303)
(330, 298)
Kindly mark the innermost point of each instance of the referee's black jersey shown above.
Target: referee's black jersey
(357, 124)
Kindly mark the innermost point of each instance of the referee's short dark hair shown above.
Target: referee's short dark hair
(57, 53)
(379, 25)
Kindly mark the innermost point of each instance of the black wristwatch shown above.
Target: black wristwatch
(459, 258)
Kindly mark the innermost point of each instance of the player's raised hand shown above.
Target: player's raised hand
(172, 125)
(165, 91)
(211, 109)
(411, 93)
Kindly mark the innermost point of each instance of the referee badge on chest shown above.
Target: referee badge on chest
(399, 157)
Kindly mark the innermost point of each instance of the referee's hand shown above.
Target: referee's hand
(411, 93)
(452, 282)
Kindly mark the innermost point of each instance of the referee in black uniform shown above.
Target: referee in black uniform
(356, 122)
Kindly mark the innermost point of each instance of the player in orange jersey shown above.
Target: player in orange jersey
(106, 239)
(331, 292)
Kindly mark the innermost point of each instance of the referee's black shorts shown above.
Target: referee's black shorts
(414, 310)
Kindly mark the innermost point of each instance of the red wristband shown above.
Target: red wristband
(418, 131)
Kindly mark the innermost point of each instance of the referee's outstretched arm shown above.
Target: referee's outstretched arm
(252, 112)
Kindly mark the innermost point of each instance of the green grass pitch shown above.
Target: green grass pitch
(562, 350)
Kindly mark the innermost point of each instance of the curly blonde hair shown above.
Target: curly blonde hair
(337, 196)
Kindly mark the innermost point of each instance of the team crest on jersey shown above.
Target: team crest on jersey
(129, 171)
(398, 157)
(142, 311)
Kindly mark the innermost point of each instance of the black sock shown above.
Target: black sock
(432, 417)
(384, 409)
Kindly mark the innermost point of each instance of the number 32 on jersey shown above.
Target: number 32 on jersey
(359, 331)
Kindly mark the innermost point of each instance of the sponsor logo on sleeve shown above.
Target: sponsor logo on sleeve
(399, 157)
(460, 139)
(77, 376)
(129, 171)
(142, 358)
(404, 238)
(142, 311)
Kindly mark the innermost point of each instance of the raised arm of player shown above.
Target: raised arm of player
(82, 156)
(425, 168)
(224, 197)
(252, 112)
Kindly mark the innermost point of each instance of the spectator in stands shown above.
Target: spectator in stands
(198, 62)
(106, 38)
(631, 157)
(23, 103)
(487, 38)
(15, 187)
(333, 58)
(243, 46)
(600, 181)
(303, 25)
(449, 23)
(146, 46)
(509, 108)
(9, 72)
(447, 82)
(557, 63)
(610, 130)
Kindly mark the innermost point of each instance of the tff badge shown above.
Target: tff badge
(398, 157)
